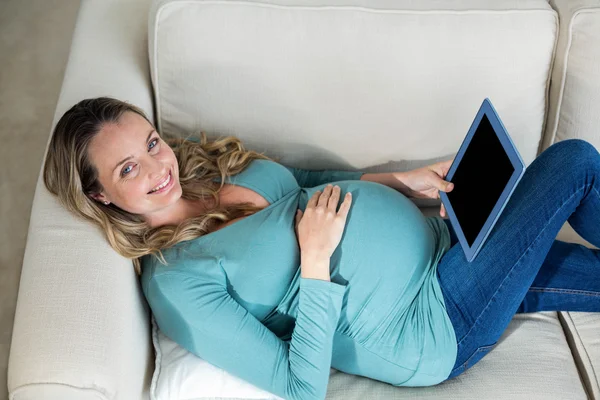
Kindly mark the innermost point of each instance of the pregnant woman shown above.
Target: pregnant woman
(275, 274)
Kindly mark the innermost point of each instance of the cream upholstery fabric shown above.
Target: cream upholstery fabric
(574, 111)
(375, 80)
(81, 328)
(582, 331)
(531, 362)
(575, 94)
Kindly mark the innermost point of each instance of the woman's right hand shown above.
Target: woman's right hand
(320, 227)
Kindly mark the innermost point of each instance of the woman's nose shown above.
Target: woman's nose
(157, 170)
(159, 174)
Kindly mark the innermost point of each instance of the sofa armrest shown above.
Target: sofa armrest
(81, 328)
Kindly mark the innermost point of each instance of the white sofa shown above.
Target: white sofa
(374, 85)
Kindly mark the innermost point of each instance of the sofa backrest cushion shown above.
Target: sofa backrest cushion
(351, 83)
(575, 91)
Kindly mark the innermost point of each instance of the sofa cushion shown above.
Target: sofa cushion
(575, 95)
(582, 330)
(315, 80)
(532, 360)
(81, 327)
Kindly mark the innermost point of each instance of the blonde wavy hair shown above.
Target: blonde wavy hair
(69, 174)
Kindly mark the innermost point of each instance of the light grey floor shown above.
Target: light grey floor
(35, 36)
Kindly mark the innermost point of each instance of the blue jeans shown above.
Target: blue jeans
(521, 268)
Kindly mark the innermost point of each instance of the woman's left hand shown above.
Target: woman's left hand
(426, 182)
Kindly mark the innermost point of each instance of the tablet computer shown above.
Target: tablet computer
(485, 172)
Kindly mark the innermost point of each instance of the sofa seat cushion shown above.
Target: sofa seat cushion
(582, 333)
(532, 360)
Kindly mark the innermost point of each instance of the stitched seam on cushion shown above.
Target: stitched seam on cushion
(572, 328)
(558, 290)
(101, 394)
(516, 263)
(359, 8)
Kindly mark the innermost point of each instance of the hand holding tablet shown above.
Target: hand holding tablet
(485, 172)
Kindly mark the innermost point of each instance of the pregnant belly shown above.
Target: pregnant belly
(383, 256)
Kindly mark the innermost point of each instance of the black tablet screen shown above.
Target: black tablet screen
(479, 180)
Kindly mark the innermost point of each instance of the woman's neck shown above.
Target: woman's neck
(182, 210)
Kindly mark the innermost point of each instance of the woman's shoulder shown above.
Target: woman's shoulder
(181, 283)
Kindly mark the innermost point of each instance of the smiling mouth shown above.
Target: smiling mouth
(166, 183)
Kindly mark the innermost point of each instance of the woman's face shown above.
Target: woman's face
(132, 162)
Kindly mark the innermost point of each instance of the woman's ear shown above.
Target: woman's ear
(99, 197)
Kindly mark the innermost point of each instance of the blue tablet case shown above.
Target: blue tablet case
(485, 172)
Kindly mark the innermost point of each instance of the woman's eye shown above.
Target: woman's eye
(126, 171)
(151, 146)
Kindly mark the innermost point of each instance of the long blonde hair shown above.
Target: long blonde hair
(69, 174)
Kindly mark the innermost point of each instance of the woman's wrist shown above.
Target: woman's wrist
(314, 266)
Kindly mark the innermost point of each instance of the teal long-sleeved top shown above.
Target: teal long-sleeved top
(235, 297)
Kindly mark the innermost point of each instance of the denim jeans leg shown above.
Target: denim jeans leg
(482, 296)
(567, 281)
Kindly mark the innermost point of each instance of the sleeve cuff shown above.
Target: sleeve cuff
(320, 284)
(349, 175)
(359, 174)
